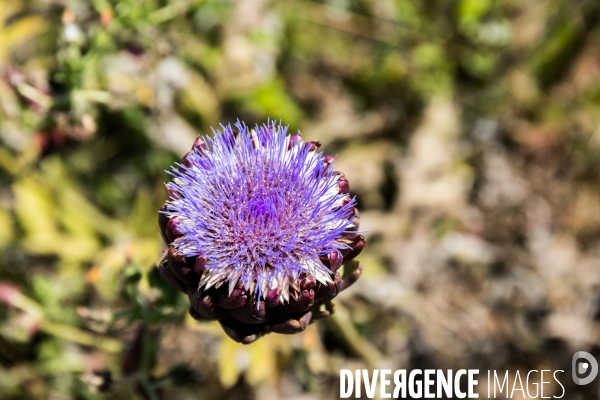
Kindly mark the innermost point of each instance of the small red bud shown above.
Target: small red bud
(185, 161)
(171, 192)
(295, 139)
(344, 187)
(273, 297)
(307, 281)
(315, 144)
(237, 299)
(173, 230)
(357, 244)
(346, 200)
(199, 264)
(335, 261)
(328, 159)
(200, 144)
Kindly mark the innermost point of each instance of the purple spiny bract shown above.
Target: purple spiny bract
(260, 208)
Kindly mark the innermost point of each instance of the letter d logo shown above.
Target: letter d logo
(583, 367)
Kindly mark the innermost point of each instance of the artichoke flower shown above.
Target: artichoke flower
(258, 225)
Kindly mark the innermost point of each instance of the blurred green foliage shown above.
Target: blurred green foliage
(423, 101)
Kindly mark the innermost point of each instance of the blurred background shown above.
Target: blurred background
(469, 131)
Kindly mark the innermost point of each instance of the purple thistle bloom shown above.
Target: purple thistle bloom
(259, 208)
(258, 225)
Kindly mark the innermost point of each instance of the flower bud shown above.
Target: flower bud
(254, 252)
(200, 144)
(173, 230)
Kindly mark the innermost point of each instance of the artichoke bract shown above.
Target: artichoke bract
(258, 225)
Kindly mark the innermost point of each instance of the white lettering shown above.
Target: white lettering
(517, 378)
(537, 390)
(459, 394)
(428, 382)
(384, 382)
(445, 383)
(472, 383)
(370, 386)
(423, 383)
(542, 384)
(400, 384)
(505, 381)
(344, 373)
(412, 384)
(557, 381)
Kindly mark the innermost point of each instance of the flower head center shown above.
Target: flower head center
(264, 210)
